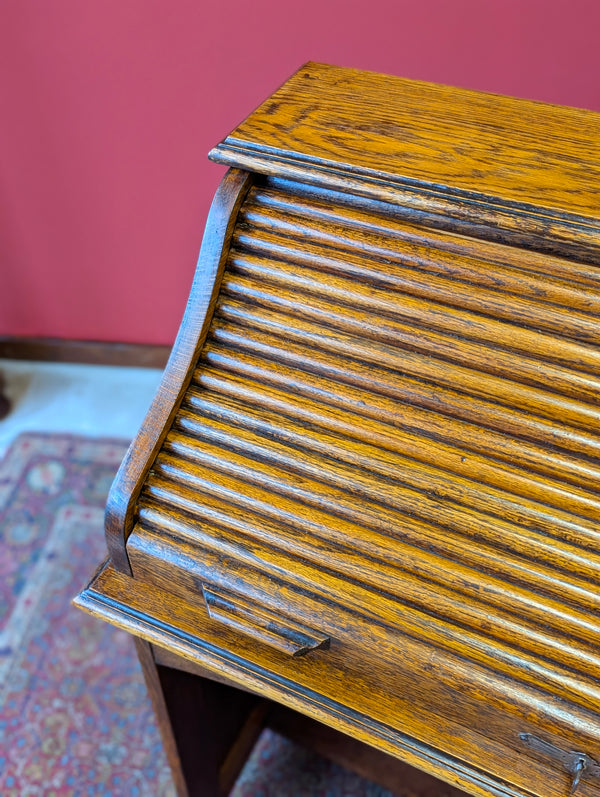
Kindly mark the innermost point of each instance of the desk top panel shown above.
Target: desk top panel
(330, 123)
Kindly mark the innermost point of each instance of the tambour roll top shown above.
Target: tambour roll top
(370, 477)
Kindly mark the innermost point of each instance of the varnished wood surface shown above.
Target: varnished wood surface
(270, 628)
(529, 170)
(167, 658)
(377, 444)
(371, 418)
(513, 149)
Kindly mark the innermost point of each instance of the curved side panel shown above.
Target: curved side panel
(190, 339)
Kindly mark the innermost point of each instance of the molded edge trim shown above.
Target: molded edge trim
(281, 689)
(190, 339)
(544, 229)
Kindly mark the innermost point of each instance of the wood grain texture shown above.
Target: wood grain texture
(197, 318)
(512, 168)
(380, 439)
(282, 633)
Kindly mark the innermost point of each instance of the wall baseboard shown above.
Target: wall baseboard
(84, 351)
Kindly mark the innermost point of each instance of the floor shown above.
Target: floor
(97, 400)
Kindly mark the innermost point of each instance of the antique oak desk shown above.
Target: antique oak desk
(367, 489)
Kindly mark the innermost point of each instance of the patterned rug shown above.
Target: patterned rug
(75, 718)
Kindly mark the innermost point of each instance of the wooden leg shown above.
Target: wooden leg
(208, 728)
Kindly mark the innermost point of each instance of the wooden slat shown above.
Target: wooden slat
(402, 572)
(412, 337)
(286, 204)
(424, 407)
(362, 359)
(421, 312)
(397, 260)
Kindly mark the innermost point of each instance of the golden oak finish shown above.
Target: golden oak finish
(496, 166)
(368, 487)
(434, 134)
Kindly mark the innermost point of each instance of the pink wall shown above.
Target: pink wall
(108, 108)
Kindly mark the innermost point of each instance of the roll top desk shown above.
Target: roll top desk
(367, 489)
